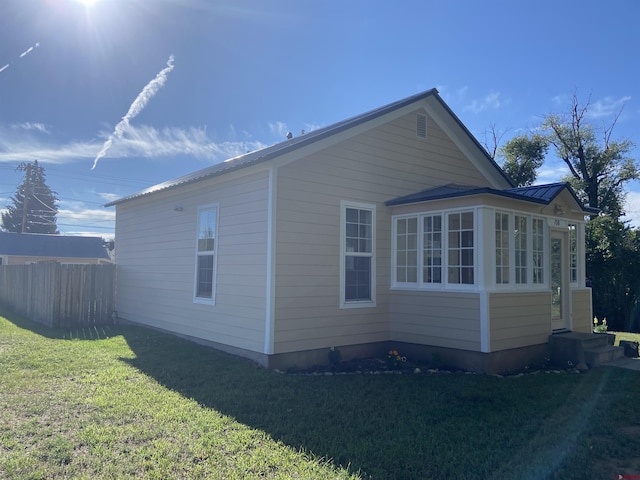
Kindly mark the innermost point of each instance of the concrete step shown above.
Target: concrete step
(595, 357)
(572, 348)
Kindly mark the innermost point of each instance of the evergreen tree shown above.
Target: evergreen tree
(34, 207)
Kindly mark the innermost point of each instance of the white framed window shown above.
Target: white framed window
(573, 253)
(357, 259)
(521, 247)
(460, 248)
(407, 250)
(432, 249)
(520, 256)
(502, 248)
(445, 250)
(206, 252)
(537, 249)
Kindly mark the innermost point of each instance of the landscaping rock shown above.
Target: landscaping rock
(582, 367)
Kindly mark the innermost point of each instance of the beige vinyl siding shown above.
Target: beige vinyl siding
(156, 260)
(519, 319)
(372, 167)
(582, 315)
(442, 319)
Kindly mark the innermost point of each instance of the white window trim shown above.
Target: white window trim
(196, 299)
(344, 204)
(576, 282)
(528, 285)
(444, 285)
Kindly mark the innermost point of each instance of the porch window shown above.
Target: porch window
(358, 260)
(502, 248)
(573, 253)
(206, 254)
(407, 250)
(432, 249)
(537, 238)
(460, 248)
(521, 248)
(441, 244)
(519, 255)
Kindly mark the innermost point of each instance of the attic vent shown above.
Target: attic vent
(421, 125)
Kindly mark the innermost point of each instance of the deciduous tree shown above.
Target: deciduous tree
(524, 155)
(599, 166)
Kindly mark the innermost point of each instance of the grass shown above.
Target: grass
(123, 402)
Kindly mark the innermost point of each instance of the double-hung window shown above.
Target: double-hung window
(206, 248)
(357, 277)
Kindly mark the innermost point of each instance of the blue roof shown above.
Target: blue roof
(295, 143)
(38, 245)
(542, 194)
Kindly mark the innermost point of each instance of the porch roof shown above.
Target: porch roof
(541, 194)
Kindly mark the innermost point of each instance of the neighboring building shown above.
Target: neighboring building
(24, 248)
(391, 229)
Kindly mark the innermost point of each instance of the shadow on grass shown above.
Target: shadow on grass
(399, 426)
(88, 332)
(389, 426)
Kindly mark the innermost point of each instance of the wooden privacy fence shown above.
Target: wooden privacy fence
(59, 295)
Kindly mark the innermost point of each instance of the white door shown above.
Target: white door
(559, 281)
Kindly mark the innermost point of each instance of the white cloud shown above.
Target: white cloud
(632, 208)
(40, 127)
(606, 107)
(279, 129)
(76, 212)
(552, 172)
(310, 127)
(452, 96)
(139, 141)
(109, 197)
(493, 101)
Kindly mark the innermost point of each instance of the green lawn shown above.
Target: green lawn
(123, 402)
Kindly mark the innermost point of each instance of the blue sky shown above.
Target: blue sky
(155, 89)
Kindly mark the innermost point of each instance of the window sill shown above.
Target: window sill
(439, 288)
(204, 301)
(367, 304)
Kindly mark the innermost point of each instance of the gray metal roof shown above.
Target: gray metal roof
(38, 245)
(542, 194)
(274, 151)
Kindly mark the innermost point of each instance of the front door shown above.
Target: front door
(559, 282)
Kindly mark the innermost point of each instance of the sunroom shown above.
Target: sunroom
(483, 270)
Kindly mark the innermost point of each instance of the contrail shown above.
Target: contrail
(22, 55)
(29, 50)
(136, 107)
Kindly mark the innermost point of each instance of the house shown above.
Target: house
(24, 248)
(390, 229)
